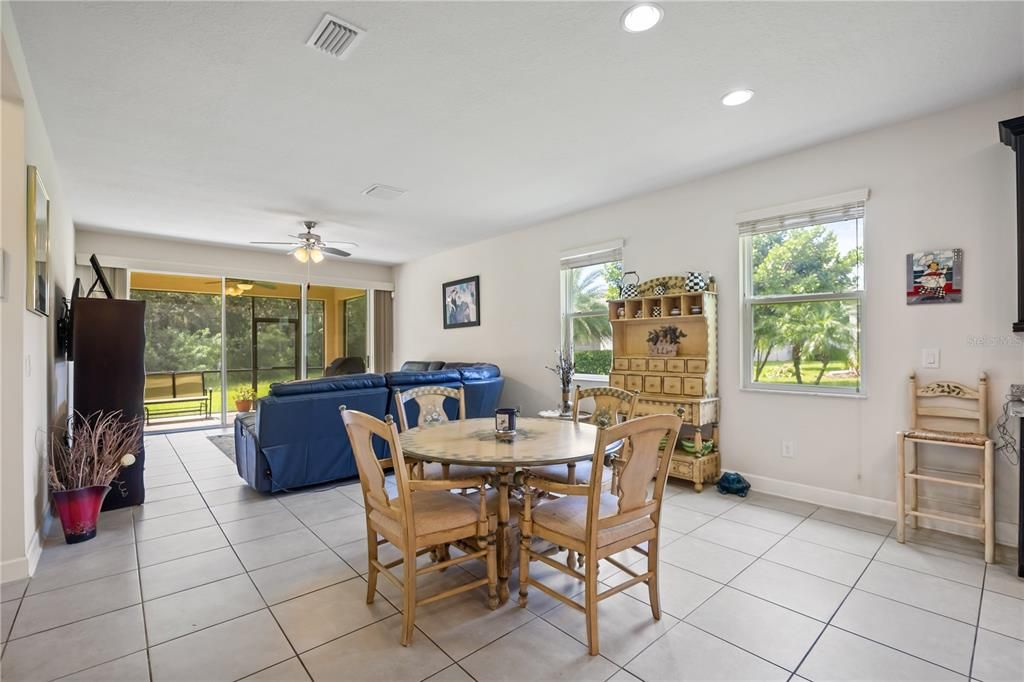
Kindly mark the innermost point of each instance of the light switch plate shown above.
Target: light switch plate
(930, 358)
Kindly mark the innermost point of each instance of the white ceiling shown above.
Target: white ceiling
(214, 121)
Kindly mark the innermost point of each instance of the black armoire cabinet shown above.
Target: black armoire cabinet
(108, 343)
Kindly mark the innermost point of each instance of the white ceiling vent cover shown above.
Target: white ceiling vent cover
(335, 37)
(385, 192)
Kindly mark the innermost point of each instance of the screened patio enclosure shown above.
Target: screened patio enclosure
(208, 338)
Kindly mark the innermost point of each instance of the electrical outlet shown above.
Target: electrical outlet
(930, 358)
(788, 449)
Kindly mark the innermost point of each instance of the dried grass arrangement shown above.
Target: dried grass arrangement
(92, 450)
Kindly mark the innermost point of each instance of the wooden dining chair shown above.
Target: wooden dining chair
(598, 524)
(430, 401)
(944, 404)
(423, 515)
(611, 406)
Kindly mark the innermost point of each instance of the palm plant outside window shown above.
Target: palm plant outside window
(587, 285)
(803, 295)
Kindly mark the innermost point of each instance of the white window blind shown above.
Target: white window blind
(789, 221)
(591, 255)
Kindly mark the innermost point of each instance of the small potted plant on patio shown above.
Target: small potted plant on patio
(86, 456)
(243, 399)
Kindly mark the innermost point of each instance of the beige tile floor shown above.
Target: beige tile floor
(212, 581)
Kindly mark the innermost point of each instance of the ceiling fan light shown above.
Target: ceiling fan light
(301, 255)
(243, 286)
(316, 254)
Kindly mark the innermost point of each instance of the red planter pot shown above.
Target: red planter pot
(78, 510)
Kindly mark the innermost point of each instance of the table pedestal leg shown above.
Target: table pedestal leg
(504, 556)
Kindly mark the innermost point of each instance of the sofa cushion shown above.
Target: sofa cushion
(442, 376)
(347, 382)
(474, 371)
(422, 365)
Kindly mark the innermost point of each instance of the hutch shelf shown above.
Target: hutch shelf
(685, 383)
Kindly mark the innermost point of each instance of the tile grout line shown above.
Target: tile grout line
(977, 624)
(251, 581)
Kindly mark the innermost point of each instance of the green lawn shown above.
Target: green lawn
(781, 372)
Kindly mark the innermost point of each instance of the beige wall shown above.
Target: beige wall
(939, 181)
(153, 254)
(33, 383)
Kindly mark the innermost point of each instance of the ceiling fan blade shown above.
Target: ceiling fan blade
(274, 243)
(336, 252)
(347, 245)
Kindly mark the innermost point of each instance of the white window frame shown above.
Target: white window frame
(596, 254)
(779, 219)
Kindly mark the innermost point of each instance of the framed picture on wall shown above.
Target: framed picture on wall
(38, 265)
(460, 300)
(935, 276)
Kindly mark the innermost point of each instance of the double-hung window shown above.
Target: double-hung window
(590, 277)
(803, 294)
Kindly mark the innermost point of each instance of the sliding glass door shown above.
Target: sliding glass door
(183, 349)
(207, 338)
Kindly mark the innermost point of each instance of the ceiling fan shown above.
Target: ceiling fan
(311, 246)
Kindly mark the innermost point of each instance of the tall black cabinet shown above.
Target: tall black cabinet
(108, 343)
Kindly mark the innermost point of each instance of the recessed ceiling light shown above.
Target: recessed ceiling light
(737, 97)
(642, 17)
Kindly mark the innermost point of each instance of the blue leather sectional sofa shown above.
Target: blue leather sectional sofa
(296, 438)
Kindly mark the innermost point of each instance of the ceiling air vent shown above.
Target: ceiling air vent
(335, 37)
(385, 192)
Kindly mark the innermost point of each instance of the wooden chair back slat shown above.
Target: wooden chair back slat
(647, 461)
(361, 429)
(430, 400)
(611, 405)
(942, 403)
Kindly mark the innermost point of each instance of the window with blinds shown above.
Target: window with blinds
(803, 296)
(590, 276)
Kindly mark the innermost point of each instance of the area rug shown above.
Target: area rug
(225, 444)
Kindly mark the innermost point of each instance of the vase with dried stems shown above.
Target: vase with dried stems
(565, 369)
(86, 456)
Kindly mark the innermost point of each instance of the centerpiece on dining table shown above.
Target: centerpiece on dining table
(505, 423)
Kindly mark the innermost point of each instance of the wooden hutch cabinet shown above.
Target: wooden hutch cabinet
(684, 383)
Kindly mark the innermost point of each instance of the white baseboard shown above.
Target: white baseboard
(25, 566)
(1006, 532)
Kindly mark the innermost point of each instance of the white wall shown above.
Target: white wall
(176, 256)
(938, 181)
(33, 389)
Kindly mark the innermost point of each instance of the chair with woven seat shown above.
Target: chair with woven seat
(599, 524)
(944, 403)
(611, 406)
(430, 403)
(423, 515)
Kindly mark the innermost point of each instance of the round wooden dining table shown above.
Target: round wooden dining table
(472, 442)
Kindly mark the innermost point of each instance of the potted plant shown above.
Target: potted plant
(86, 456)
(243, 399)
(565, 370)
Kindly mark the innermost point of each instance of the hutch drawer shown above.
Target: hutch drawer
(681, 467)
(634, 382)
(617, 381)
(696, 366)
(672, 385)
(652, 384)
(656, 365)
(637, 365)
(621, 363)
(693, 386)
(676, 365)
